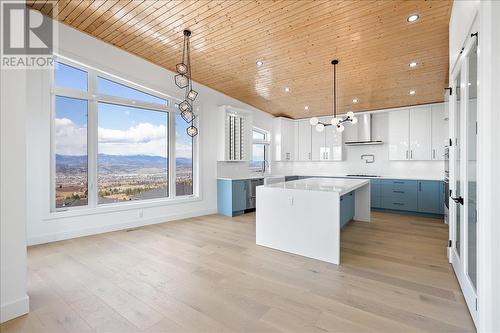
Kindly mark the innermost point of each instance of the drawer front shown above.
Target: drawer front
(399, 189)
(402, 203)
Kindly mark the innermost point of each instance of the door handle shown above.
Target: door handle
(407, 154)
(459, 200)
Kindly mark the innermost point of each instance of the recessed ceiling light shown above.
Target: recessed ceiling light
(354, 100)
(412, 92)
(306, 107)
(259, 63)
(412, 18)
(287, 89)
(413, 64)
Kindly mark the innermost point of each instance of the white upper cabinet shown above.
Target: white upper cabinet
(304, 140)
(398, 135)
(417, 134)
(420, 133)
(333, 144)
(439, 132)
(284, 139)
(326, 145)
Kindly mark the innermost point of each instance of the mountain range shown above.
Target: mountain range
(118, 162)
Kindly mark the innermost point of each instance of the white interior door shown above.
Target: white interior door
(463, 175)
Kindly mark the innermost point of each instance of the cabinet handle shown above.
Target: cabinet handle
(420, 187)
(309, 155)
(411, 154)
(434, 153)
(398, 191)
(407, 154)
(396, 182)
(398, 203)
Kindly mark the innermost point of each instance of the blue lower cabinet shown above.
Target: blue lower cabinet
(231, 196)
(430, 199)
(398, 194)
(346, 208)
(375, 193)
(239, 195)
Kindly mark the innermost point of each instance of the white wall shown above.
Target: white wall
(488, 159)
(353, 164)
(13, 298)
(45, 227)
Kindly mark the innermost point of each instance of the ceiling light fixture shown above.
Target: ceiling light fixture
(184, 80)
(306, 107)
(413, 64)
(287, 89)
(337, 122)
(259, 63)
(412, 92)
(412, 18)
(354, 100)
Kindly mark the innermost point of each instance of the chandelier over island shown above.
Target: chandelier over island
(336, 121)
(184, 80)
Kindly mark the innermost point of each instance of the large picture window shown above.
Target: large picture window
(132, 155)
(113, 142)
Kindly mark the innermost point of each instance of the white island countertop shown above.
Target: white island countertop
(340, 185)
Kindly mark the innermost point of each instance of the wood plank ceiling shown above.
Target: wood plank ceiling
(295, 40)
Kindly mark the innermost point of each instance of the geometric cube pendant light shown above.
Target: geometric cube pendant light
(184, 80)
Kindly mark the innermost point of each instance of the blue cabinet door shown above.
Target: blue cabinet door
(346, 208)
(239, 196)
(429, 197)
(375, 193)
(224, 197)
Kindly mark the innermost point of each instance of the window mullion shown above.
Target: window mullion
(92, 132)
(171, 155)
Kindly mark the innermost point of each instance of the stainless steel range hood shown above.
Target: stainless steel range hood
(364, 132)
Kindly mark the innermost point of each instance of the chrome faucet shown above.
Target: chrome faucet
(264, 164)
(369, 158)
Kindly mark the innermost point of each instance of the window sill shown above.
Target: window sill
(119, 207)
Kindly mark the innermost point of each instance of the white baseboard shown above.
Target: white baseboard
(14, 309)
(53, 237)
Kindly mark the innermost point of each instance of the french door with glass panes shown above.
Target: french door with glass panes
(463, 191)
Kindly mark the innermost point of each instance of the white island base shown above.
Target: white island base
(303, 216)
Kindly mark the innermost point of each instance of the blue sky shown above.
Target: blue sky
(123, 130)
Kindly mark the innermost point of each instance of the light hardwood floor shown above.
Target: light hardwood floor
(207, 274)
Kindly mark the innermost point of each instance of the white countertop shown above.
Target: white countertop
(342, 186)
(335, 175)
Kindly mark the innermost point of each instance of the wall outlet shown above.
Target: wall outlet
(140, 213)
(290, 201)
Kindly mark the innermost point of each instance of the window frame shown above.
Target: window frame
(267, 145)
(93, 98)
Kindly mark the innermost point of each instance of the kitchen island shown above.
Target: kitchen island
(304, 216)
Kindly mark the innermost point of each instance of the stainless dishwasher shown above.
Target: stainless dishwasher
(252, 192)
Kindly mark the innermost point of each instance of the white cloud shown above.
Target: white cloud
(70, 139)
(142, 139)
